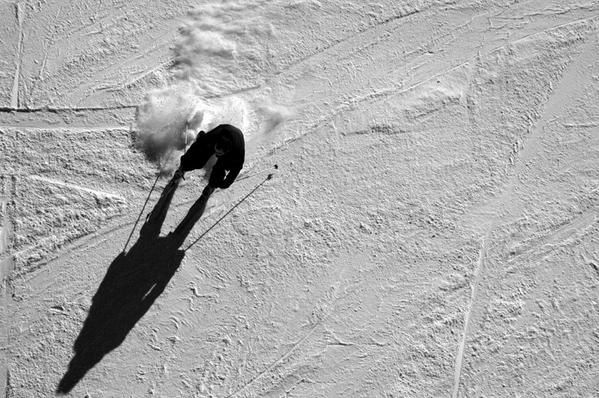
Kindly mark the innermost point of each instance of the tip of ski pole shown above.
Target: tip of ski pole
(276, 166)
(269, 176)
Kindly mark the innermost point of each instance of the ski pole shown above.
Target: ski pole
(276, 166)
(140, 213)
(230, 210)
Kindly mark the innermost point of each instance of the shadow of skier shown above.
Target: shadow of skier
(133, 282)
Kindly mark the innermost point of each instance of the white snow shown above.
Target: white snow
(431, 229)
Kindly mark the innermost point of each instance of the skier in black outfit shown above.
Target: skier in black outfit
(227, 143)
(224, 141)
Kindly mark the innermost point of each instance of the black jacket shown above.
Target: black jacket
(203, 148)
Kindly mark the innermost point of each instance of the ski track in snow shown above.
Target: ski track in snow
(508, 198)
(77, 187)
(465, 288)
(14, 98)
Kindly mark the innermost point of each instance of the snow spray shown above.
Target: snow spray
(162, 120)
(209, 86)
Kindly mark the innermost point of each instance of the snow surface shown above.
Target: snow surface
(432, 229)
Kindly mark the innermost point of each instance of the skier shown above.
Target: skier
(227, 144)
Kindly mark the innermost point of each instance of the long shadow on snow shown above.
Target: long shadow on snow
(133, 282)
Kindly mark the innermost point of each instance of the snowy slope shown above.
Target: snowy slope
(431, 231)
